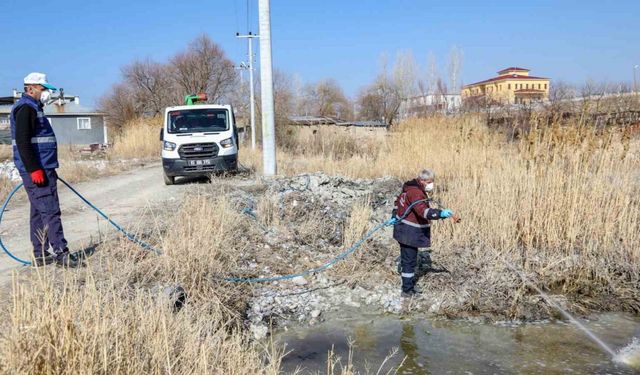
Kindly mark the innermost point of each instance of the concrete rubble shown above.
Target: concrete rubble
(306, 300)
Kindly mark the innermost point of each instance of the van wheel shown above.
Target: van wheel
(169, 180)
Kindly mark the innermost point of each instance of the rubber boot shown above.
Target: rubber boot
(40, 260)
(68, 260)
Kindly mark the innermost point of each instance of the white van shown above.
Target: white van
(198, 140)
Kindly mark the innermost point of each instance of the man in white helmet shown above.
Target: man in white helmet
(35, 154)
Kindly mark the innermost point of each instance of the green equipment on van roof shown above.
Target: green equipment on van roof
(193, 99)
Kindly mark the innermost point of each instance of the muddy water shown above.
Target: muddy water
(460, 347)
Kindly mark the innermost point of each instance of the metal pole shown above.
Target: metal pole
(252, 97)
(252, 100)
(266, 85)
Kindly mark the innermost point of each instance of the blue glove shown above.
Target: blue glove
(446, 213)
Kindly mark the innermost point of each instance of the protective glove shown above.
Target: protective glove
(38, 177)
(446, 213)
(456, 218)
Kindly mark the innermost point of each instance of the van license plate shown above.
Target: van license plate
(199, 162)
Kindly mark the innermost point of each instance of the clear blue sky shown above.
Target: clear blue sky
(81, 45)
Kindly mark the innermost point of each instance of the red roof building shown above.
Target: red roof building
(511, 85)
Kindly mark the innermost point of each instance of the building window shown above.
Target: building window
(545, 86)
(527, 86)
(539, 86)
(508, 86)
(84, 123)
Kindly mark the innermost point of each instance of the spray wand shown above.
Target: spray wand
(456, 218)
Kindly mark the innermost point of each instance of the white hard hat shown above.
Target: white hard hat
(38, 79)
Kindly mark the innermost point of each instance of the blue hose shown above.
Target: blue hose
(4, 207)
(335, 260)
(148, 247)
(129, 236)
(339, 257)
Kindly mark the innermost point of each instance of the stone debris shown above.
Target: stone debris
(299, 280)
(309, 299)
(307, 216)
(9, 170)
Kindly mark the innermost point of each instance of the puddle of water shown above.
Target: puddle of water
(458, 347)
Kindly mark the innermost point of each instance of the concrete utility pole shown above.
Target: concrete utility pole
(252, 104)
(266, 85)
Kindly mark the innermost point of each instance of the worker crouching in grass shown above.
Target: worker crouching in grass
(35, 154)
(413, 231)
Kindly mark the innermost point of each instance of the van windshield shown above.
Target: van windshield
(197, 120)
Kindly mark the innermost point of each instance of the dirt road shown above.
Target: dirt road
(123, 197)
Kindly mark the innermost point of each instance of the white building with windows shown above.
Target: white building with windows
(73, 124)
(423, 105)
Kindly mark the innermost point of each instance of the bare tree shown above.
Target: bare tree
(405, 75)
(150, 84)
(120, 106)
(383, 98)
(284, 106)
(203, 67)
(592, 95)
(432, 73)
(379, 101)
(561, 91)
(368, 104)
(297, 86)
(561, 97)
(456, 57)
(441, 95)
(148, 87)
(325, 98)
(238, 95)
(283, 94)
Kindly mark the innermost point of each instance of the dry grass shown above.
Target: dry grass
(337, 365)
(562, 202)
(358, 223)
(138, 140)
(6, 153)
(109, 318)
(269, 210)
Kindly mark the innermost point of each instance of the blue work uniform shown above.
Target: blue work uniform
(41, 149)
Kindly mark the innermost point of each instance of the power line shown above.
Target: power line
(235, 9)
(248, 14)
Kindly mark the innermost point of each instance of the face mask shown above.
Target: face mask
(44, 98)
(428, 187)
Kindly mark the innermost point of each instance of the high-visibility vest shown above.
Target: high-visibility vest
(43, 141)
